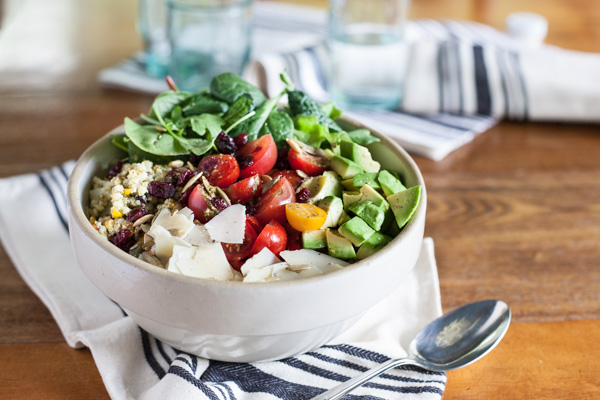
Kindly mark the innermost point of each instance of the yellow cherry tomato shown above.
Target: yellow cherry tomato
(305, 217)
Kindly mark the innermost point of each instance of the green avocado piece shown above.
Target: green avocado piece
(348, 184)
(389, 183)
(314, 239)
(344, 217)
(356, 230)
(338, 246)
(376, 242)
(366, 178)
(350, 197)
(334, 207)
(369, 212)
(322, 186)
(404, 204)
(368, 193)
(360, 155)
(345, 167)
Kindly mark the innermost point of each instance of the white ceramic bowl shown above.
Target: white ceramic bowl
(236, 321)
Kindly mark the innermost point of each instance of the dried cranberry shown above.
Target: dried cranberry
(137, 213)
(241, 139)
(186, 195)
(141, 199)
(219, 203)
(195, 160)
(250, 209)
(123, 239)
(208, 164)
(225, 143)
(115, 169)
(163, 190)
(185, 176)
(303, 195)
(246, 161)
(282, 158)
(171, 176)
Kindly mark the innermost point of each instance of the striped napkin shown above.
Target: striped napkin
(135, 365)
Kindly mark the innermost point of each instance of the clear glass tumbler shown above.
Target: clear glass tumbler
(152, 26)
(208, 37)
(368, 52)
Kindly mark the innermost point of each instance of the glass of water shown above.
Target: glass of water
(368, 52)
(152, 26)
(208, 37)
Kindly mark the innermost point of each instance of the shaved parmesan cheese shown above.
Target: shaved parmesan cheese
(207, 262)
(164, 243)
(198, 236)
(261, 259)
(259, 274)
(178, 224)
(229, 225)
(311, 257)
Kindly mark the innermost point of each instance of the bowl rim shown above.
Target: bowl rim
(77, 216)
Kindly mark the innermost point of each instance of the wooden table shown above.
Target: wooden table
(515, 214)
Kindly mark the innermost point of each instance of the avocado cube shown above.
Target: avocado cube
(389, 183)
(366, 178)
(344, 217)
(345, 167)
(338, 246)
(322, 186)
(348, 184)
(334, 207)
(314, 239)
(356, 230)
(368, 193)
(350, 197)
(376, 242)
(369, 212)
(360, 155)
(404, 204)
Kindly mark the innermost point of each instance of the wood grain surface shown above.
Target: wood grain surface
(514, 215)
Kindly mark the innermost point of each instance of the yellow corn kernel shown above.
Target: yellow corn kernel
(115, 213)
(127, 191)
(108, 223)
(92, 220)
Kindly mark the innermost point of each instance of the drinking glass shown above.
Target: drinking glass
(152, 26)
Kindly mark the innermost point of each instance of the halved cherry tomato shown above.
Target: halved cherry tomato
(273, 236)
(305, 217)
(237, 253)
(290, 175)
(310, 164)
(220, 169)
(198, 204)
(244, 190)
(264, 156)
(271, 204)
(254, 223)
(294, 238)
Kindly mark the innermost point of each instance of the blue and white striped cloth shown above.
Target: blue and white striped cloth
(135, 365)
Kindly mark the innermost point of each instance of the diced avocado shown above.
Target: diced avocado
(350, 197)
(348, 184)
(360, 155)
(338, 246)
(369, 212)
(368, 193)
(404, 204)
(345, 167)
(356, 230)
(334, 207)
(322, 186)
(389, 183)
(344, 218)
(329, 153)
(366, 178)
(314, 239)
(375, 243)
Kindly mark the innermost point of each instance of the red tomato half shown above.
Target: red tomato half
(198, 204)
(220, 169)
(244, 190)
(271, 204)
(290, 175)
(264, 156)
(273, 237)
(237, 253)
(294, 238)
(310, 164)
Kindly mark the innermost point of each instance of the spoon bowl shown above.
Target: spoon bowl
(457, 338)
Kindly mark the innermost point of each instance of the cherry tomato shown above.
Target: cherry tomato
(310, 164)
(273, 236)
(290, 175)
(220, 169)
(198, 204)
(244, 190)
(263, 154)
(271, 204)
(305, 217)
(254, 223)
(237, 253)
(294, 238)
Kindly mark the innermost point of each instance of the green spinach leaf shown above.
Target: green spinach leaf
(362, 137)
(301, 104)
(203, 103)
(148, 139)
(279, 125)
(165, 102)
(229, 86)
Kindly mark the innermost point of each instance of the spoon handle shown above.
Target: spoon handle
(346, 387)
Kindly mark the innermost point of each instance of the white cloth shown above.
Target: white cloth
(134, 365)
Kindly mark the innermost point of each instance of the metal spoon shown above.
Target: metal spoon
(457, 338)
